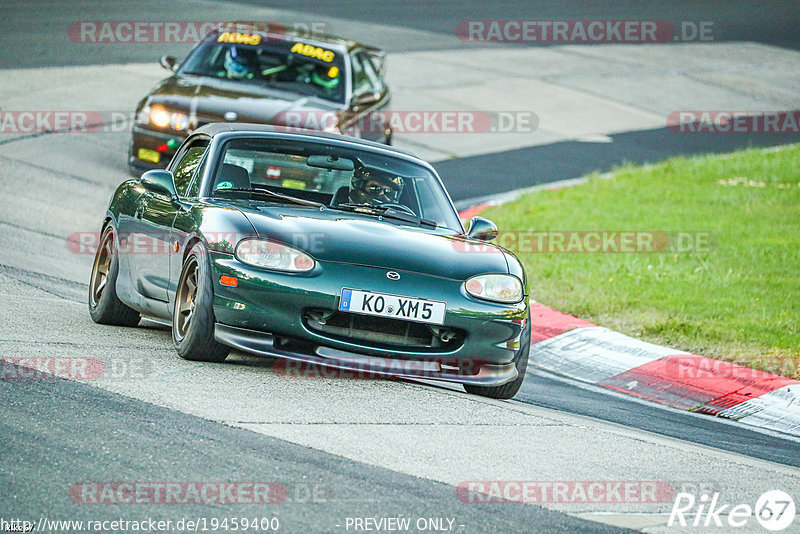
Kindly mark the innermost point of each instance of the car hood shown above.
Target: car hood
(210, 99)
(342, 237)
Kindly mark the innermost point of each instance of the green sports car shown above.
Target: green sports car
(316, 248)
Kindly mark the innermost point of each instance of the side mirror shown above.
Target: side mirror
(365, 99)
(482, 229)
(379, 60)
(168, 62)
(160, 182)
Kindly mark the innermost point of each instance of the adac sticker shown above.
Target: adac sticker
(313, 51)
(239, 38)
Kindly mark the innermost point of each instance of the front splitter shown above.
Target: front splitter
(263, 343)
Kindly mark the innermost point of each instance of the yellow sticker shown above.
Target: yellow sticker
(313, 51)
(239, 38)
(149, 155)
(293, 184)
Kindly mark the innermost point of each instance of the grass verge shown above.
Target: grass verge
(726, 286)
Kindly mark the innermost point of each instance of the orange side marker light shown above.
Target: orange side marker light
(229, 281)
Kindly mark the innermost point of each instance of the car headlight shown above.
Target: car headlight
(160, 117)
(273, 255)
(495, 287)
(178, 121)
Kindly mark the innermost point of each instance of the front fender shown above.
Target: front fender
(217, 228)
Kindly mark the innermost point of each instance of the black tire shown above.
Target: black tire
(104, 304)
(508, 390)
(193, 315)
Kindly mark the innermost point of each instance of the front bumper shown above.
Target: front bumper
(150, 140)
(264, 344)
(267, 314)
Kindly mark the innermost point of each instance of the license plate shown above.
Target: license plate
(149, 155)
(293, 184)
(394, 306)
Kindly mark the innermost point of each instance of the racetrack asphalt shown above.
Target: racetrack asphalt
(465, 178)
(59, 433)
(34, 32)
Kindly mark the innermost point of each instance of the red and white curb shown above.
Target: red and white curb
(580, 350)
(575, 348)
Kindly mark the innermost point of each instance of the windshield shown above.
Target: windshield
(338, 177)
(282, 64)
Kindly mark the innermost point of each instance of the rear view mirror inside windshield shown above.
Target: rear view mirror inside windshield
(333, 163)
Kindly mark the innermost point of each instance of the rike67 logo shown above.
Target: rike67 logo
(774, 510)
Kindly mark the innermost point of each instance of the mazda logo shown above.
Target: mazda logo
(391, 275)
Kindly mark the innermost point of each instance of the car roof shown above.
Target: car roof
(283, 33)
(216, 128)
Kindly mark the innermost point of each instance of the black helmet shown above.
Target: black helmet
(370, 186)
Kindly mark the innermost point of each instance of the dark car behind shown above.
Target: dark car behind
(240, 72)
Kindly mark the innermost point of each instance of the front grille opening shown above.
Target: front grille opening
(382, 330)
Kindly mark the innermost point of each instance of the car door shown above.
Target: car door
(186, 224)
(156, 214)
(370, 95)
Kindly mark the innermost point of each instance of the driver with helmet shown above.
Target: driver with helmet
(240, 63)
(370, 186)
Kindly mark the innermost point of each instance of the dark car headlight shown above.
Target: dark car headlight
(273, 255)
(503, 288)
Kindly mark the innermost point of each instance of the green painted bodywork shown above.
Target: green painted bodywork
(350, 250)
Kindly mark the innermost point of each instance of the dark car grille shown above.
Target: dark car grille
(382, 331)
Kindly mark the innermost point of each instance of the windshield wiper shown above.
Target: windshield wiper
(270, 194)
(389, 212)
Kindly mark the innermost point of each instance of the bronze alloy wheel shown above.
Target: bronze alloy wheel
(193, 322)
(105, 307)
(186, 297)
(101, 268)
